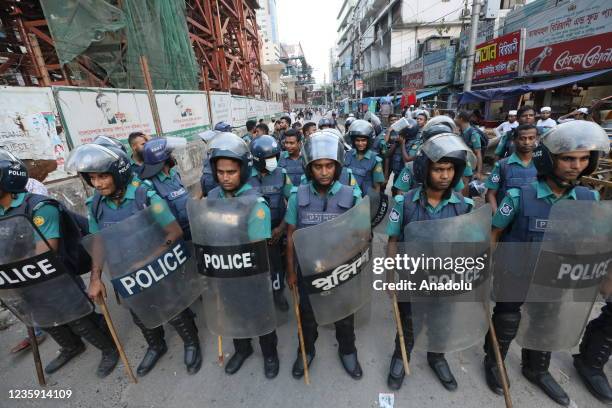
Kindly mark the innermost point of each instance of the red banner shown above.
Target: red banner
(584, 54)
(498, 58)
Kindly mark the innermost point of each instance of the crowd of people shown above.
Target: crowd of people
(295, 173)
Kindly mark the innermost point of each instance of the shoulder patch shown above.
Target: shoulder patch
(38, 220)
(406, 177)
(506, 209)
(158, 208)
(495, 177)
(136, 183)
(394, 215)
(261, 214)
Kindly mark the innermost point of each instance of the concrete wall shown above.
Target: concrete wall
(74, 191)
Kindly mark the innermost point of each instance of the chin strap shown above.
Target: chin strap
(561, 183)
(118, 194)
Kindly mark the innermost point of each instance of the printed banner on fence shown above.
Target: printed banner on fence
(221, 106)
(182, 113)
(91, 112)
(239, 110)
(29, 124)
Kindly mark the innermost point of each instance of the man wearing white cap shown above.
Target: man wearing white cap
(545, 120)
(508, 125)
(578, 114)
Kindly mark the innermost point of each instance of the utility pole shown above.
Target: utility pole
(469, 69)
(325, 87)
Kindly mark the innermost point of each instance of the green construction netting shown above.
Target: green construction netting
(112, 35)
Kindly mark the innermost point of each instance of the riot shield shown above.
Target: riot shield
(34, 284)
(152, 272)
(238, 298)
(379, 204)
(575, 255)
(333, 258)
(449, 270)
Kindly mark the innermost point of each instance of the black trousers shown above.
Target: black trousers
(345, 328)
(267, 343)
(405, 312)
(155, 337)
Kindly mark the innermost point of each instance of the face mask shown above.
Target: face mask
(271, 164)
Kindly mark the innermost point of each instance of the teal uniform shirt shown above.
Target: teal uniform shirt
(494, 179)
(247, 138)
(510, 205)
(394, 226)
(471, 137)
(161, 176)
(288, 184)
(501, 146)
(292, 205)
(260, 221)
(46, 218)
(161, 211)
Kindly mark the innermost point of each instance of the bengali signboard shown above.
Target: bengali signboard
(438, 66)
(568, 37)
(28, 120)
(499, 58)
(239, 110)
(412, 74)
(182, 113)
(91, 112)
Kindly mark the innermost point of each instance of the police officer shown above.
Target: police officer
(471, 137)
(161, 170)
(323, 197)
(526, 116)
(207, 180)
(274, 185)
(325, 123)
(566, 153)
(291, 158)
(347, 123)
(364, 164)
(45, 215)
(434, 198)
(118, 195)
(250, 131)
(516, 170)
(408, 142)
(136, 140)
(232, 167)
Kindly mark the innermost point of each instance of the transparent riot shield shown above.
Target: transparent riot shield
(238, 298)
(379, 205)
(34, 284)
(447, 263)
(575, 255)
(334, 258)
(151, 268)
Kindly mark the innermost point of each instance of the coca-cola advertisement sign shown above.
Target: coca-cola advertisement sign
(579, 55)
(499, 58)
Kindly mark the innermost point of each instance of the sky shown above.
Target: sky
(313, 24)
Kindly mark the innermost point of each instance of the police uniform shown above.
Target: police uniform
(275, 187)
(259, 228)
(103, 212)
(346, 179)
(412, 207)
(367, 169)
(46, 217)
(505, 147)
(247, 137)
(136, 168)
(471, 138)
(306, 208)
(510, 172)
(522, 214)
(293, 167)
(171, 189)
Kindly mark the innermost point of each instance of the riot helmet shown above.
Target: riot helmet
(227, 145)
(223, 127)
(96, 158)
(445, 147)
(361, 128)
(441, 119)
(109, 142)
(264, 149)
(437, 129)
(574, 136)
(325, 123)
(348, 122)
(157, 152)
(13, 173)
(323, 145)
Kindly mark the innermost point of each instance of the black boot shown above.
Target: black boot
(298, 366)
(351, 365)
(595, 351)
(535, 368)
(237, 360)
(396, 373)
(157, 346)
(89, 329)
(70, 347)
(271, 366)
(506, 325)
(438, 363)
(186, 328)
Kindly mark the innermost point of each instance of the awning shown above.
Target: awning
(513, 91)
(422, 93)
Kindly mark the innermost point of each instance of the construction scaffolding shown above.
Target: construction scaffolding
(100, 42)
